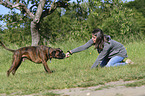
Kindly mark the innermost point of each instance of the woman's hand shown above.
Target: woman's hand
(68, 53)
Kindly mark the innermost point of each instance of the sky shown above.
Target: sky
(4, 10)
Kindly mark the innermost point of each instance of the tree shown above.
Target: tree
(35, 10)
(65, 24)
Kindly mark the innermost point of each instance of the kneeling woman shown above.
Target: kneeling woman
(111, 52)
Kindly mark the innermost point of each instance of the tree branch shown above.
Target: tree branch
(39, 11)
(19, 6)
(53, 7)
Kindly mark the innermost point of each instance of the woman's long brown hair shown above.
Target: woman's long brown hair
(99, 45)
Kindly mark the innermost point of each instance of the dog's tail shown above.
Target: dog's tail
(6, 47)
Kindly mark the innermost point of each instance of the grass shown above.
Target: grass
(74, 71)
(137, 83)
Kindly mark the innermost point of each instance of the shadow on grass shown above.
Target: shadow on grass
(34, 73)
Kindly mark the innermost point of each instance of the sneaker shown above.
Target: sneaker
(128, 61)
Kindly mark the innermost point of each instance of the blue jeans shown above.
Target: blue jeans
(114, 61)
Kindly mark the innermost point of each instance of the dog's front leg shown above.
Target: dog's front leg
(46, 67)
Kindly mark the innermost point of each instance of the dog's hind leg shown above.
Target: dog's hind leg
(12, 66)
(16, 67)
(15, 64)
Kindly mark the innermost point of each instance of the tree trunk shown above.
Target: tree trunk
(35, 33)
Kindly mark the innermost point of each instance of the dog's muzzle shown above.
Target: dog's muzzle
(62, 56)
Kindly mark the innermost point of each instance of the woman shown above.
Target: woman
(111, 52)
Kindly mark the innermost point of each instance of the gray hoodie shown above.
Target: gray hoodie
(111, 48)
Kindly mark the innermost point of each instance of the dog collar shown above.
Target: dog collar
(49, 54)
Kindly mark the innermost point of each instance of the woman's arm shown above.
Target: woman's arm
(102, 55)
(83, 47)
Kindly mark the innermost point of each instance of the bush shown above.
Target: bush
(19, 36)
(123, 23)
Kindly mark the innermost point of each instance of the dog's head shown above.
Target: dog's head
(58, 54)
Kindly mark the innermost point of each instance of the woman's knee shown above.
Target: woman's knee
(114, 60)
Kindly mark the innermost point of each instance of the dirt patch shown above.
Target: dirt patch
(109, 89)
(116, 91)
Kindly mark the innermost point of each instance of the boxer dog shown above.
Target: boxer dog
(37, 54)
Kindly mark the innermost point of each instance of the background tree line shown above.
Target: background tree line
(76, 21)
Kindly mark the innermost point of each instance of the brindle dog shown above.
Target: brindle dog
(37, 54)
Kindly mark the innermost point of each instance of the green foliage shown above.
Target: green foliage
(122, 22)
(19, 36)
(138, 5)
(54, 27)
(18, 29)
(1, 32)
(117, 21)
(78, 21)
(71, 25)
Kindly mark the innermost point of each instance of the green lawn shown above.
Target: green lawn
(71, 72)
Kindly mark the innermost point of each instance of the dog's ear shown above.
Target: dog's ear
(53, 53)
(59, 50)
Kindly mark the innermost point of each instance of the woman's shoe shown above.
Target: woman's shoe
(128, 61)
